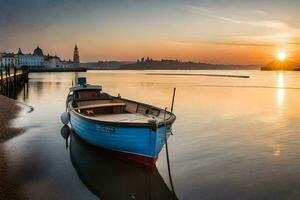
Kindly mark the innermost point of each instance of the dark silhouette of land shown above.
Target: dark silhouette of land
(286, 65)
(150, 64)
(104, 65)
(197, 74)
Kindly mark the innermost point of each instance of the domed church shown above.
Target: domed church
(34, 60)
(38, 52)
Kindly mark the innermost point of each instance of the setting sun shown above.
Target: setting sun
(281, 56)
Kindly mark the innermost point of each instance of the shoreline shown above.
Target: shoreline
(41, 70)
(10, 187)
(9, 110)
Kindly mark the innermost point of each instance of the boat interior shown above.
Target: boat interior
(100, 106)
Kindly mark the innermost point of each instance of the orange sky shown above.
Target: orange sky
(224, 31)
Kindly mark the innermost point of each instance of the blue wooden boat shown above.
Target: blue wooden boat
(136, 130)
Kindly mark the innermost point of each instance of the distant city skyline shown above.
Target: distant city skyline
(220, 31)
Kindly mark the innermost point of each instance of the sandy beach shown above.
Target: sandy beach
(8, 111)
(9, 186)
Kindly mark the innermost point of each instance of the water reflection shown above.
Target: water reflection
(240, 138)
(280, 90)
(65, 133)
(277, 150)
(17, 91)
(112, 178)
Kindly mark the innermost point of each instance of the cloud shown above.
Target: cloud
(261, 23)
(228, 43)
(209, 12)
(295, 41)
(267, 40)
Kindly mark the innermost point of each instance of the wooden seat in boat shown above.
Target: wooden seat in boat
(101, 105)
(92, 102)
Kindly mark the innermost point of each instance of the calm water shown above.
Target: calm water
(233, 139)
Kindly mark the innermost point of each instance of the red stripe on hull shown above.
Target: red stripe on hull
(147, 161)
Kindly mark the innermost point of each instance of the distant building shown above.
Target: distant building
(52, 61)
(76, 61)
(38, 52)
(38, 60)
(8, 60)
(56, 62)
(31, 60)
(67, 63)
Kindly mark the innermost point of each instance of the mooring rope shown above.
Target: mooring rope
(167, 153)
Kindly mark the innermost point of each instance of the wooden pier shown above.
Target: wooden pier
(12, 79)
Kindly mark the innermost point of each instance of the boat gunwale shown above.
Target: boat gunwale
(169, 121)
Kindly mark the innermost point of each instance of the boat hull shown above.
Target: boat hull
(138, 143)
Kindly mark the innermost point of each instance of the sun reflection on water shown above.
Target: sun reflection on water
(277, 150)
(280, 90)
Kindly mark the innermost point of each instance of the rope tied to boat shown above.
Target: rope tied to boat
(166, 142)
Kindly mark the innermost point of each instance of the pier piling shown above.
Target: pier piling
(10, 80)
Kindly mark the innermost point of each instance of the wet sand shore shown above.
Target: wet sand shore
(8, 111)
(9, 186)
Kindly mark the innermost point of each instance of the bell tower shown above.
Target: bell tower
(76, 61)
